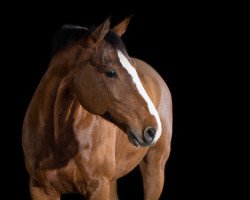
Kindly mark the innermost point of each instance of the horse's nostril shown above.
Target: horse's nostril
(149, 134)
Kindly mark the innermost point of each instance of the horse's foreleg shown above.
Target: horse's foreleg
(113, 191)
(38, 194)
(152, 169)
(98, 189)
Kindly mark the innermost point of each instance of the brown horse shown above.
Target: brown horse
(96, 114)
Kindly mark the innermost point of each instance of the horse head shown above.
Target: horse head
(106, 83)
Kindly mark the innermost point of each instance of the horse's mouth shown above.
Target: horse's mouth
(137, 141)
(134, 140)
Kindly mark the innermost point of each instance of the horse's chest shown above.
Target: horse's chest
(110, 158)
(108, 152)
(127, 156)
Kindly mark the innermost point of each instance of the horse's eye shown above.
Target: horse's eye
(111, 73)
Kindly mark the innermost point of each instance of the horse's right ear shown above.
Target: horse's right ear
(120, 28)
(98, 33)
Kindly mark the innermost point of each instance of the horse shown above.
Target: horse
(96, 114)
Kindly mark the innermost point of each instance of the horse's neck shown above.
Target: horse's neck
(64, 108)
(41, 109)
(59, 68)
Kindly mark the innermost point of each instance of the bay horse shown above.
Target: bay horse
(96, 114)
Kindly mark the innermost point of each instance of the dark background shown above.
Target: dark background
(185, 43)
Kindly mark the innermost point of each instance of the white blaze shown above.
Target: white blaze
(131, 70)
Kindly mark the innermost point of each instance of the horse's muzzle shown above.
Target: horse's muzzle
(146, 140)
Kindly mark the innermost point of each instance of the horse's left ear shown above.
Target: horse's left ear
(120, 28)
(99, 33)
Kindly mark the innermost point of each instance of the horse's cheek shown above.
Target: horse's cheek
(90, 91)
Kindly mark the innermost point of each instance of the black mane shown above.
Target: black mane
(69, 34)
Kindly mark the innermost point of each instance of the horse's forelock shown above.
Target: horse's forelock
(67, 35)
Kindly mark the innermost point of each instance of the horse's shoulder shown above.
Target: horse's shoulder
(156, 88)
(149, 76)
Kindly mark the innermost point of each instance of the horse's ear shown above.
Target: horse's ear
(120, 28)
(99, 33)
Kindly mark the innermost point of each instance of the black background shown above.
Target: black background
(185, 43)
